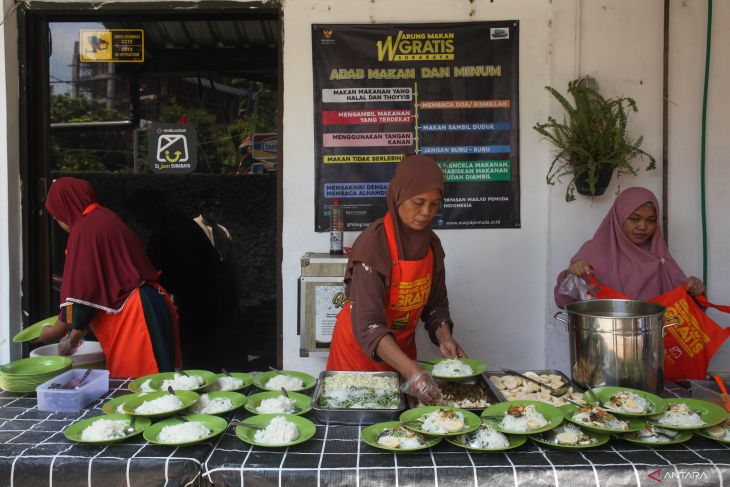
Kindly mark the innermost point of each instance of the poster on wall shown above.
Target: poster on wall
(449, 91)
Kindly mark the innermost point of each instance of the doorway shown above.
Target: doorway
(90, 110)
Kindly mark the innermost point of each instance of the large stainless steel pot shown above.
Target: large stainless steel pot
(617, 342)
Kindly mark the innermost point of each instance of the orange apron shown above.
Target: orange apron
(410, 286)
(690, 345)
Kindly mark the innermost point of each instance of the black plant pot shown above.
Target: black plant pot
(604, 177)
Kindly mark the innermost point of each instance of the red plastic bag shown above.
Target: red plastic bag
(690, 345)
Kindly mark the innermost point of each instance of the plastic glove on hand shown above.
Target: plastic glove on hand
(422, 386)
(65, 347)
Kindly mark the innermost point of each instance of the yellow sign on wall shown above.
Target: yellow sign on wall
(111, 46)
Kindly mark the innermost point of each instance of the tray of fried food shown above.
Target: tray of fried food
(508, 387)
(473, 395)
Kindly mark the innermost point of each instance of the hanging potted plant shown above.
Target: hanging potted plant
(591, 141)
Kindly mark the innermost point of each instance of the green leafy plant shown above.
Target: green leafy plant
(591, 140)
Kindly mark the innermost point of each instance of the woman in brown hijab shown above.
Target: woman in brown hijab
(395, 277)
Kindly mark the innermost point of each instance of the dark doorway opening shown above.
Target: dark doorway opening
(216, 69)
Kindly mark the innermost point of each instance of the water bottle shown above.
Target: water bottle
(337, 227)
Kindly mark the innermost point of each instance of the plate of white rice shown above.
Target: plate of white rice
(233, 381)
(455, 369)
(274, 402)
(393, 436)
(157, 404)
(689, 414)
(487, 438)
(187, 380)
(440, 420)
(189, 429)
(523, 417)
(107, 429)
(280, 430)
(220, 402)
(288, 379)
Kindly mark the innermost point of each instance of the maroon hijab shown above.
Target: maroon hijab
(640, 272)
(105, 260)
(415, 175)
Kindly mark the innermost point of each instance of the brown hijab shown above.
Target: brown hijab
(415, 175)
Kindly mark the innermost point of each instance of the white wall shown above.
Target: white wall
(686, 75)
(10, 320)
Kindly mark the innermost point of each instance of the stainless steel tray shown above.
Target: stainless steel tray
(353, 415)
(501, 397)
(480, 381)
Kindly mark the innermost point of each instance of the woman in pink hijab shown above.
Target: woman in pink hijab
(628, 252)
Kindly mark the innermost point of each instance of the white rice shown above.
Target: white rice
(206, 405)
(442, 421)
(145, 386)
(452, 368)
(120, 409)
(286, 381)
(520, 424)
(105, 430)
(281, 404)
(485, 437)
(679, 414)
(278, 432)
(183, 432)
(226, 384)
(183, 382)
(611, 422)
(163, 404)
(630, 403)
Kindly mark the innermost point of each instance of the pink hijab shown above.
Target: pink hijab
(641, 272)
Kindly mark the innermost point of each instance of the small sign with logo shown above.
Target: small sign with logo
(172, 148)
(265, 146)
(111, 46)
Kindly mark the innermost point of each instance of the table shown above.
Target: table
(34, 452)
(336, 457)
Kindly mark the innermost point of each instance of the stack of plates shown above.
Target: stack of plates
(26, 374)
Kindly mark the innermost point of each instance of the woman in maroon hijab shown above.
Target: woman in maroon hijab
(628, 252)
(395, 278)
(109, 286)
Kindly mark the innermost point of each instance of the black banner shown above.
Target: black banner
(444, 90)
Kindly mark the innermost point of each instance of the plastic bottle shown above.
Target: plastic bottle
(337, 227)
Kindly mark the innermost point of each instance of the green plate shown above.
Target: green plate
(301, 401)
(514, 442)
(110, 407)
(34, 330)
(370, 434)
(215, 424)
(306, 429)
(35, 366)
(207, 376)
(236, 398)
(681, 438)
(544, 438)
(471, 420)
(553, 415)
(73, 432)
(261, 379)
(245, 377)
(702, 432)
(658, 404)
(635, 424)
(710, 413)
(136, 384)
(477, 367)
(188, 398)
